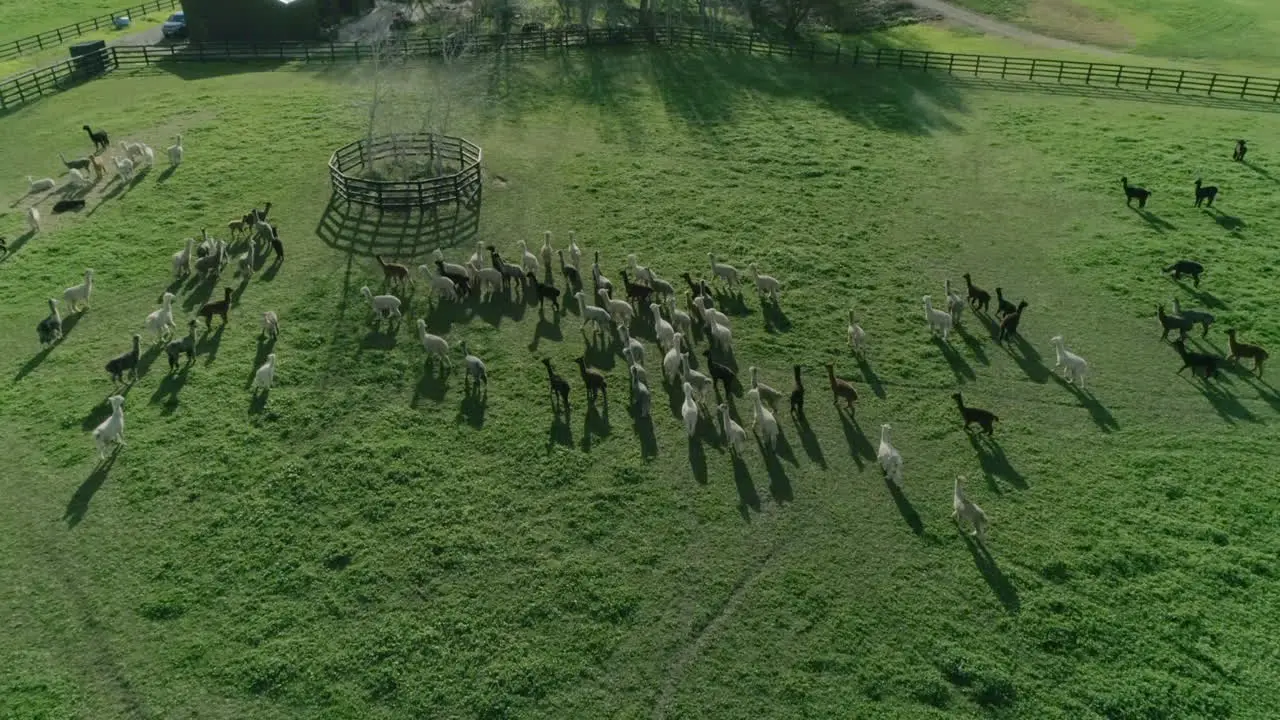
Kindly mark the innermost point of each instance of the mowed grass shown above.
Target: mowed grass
(1228, 30)
(53, 54)
(19, 19)
(371, 542)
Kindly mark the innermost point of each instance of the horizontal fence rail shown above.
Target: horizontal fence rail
(59, 36)
(22, 89)
(461, 183)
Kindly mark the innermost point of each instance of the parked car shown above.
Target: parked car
(175, 27)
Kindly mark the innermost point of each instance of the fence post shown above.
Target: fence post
(813, 50)
(1089, 75)
(146, 59)
(1119, 74)
(837, 60)
(751, 39)
(951, 63)
(901, 52)
(977, 65)
(926, 60)
(857, 53)
(1033, 69)
(1276, 96)
(332, 55)
(1061, 66)
(1245, 88)
(1150, 72)
(1212, 81)
(306, 52)
(1004, 68)
(878, 51)
(1181, 75)
(357, 46)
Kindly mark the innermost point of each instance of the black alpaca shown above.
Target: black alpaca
(984, 418)
(1205, 194)
(559, 388)
(1009, 325)
(1205, 363)
(1172, 322)
(461, 281)
(1186, 267)
(797, 394)
(99, 138)
(1004, 307)
(1238, 153)
(276, 245)
(1133, 192)
(546, 291)
(721, 373)
(978, 298)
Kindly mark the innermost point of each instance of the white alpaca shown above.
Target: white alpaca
(111, 430)
(964, 509)
(733, 432)
(546, 252)
(1075, 366)
(765, 422)
(709, 313)
(450, 268)
(176, 152)
(938, 320)
(444, 287)
(641, 272)
(33, 219)
(382, 304)
(529, 261)
(727, 273)
(640, 389)
(619, 310)
(857, 336)
(266, 374)
(719, 335)
(124, 168)
(602, 283)
(182, 260)
(700, 382)
(434, 344)
(149, 155)
(680, 319)
(889, 457)
(689, 411)
(955, 303)
(575, 253)
(671, 362)
(77, 178)
(631, 347)
(475, 369)
(270, 324)
(770, 395)
(160, 322)
(592, 315)
(77, 294)
(35, 186)
(478, 257)
(765, 284)
(661, 327)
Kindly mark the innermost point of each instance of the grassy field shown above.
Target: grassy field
(19, 19)
(371, 542)
(1227, 30)
(41, 58)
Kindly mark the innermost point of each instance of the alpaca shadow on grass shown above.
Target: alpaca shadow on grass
(782, 447)
(870, 377)
(698, 459)
(1156, 222)
(377, 339)
(1028, 358)
(546, 329)
(78, 505)
(775, 320)
(209, 343)
(1261, 171)
(431, 384)
(995, 464)
(1100, 415)
(748, 498)
(644, 431)
(809, 440)
(1230, 223)
(601, 356)
(859, 447)
(146, 358)
(560, 432)
(441, 318)
(272, 270)
(1205, 299)
(595, 423)
(68, 323)
(963, 371)
(16, 245)
(258, 401)
(975, 346)
(166, 174)
(1005, 592)
(1227, 406)
(730, 303)
(166, 395)
(472, 408)
(200, 293)
(779, 483)
(905, 508)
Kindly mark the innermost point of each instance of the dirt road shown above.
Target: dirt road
(991, 26)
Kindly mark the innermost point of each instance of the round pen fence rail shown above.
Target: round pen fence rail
(459, 182)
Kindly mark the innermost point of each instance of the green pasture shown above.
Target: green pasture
(368, 541)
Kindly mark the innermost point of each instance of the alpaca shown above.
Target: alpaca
(1244, 350)
(1205, 194)
(99, 138)
(111, 430)
(964, 509)
(266, 374)
(733, 432)
(1009, 325)
(888, 456)
(971, 415)
(1240, 149)
(979, 299)
(939, 322)
(1133, 192)
(857, 337)
(1074, 365)
(1186, 267)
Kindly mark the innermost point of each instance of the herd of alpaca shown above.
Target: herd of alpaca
(209, 257)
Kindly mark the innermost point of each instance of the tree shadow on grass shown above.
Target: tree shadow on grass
(905, 508)
(959, 366)
(870, 377)
(994, 462)
(809, 441)
(78, 506)
(1005, 592)
(1100, 415)
(859, 447)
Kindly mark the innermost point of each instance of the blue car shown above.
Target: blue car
(175, 27)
